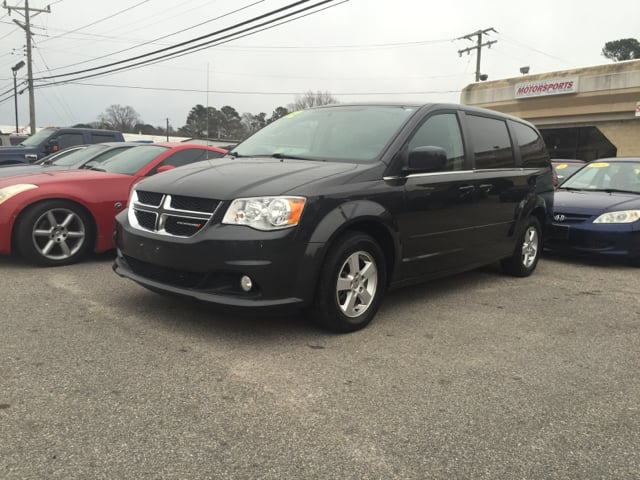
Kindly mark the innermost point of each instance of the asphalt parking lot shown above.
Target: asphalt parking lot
(477, 376)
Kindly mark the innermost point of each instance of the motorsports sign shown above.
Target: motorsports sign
(540, 88)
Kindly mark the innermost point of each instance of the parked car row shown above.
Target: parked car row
(54, 216)
(52, 139)
(597, 210)
(324, 209)
(564, 168)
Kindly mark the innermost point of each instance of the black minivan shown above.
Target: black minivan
(328, 207)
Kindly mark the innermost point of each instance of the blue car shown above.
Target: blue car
(597, 210)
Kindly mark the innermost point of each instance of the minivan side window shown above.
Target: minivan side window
(532, 148)
(491, 142)
(441, 130)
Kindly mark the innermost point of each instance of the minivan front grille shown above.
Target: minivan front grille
(149, 198)
(193, 204)
(173, 215)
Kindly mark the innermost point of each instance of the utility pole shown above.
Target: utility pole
(26, 26)
(167, 129)
(478, 47)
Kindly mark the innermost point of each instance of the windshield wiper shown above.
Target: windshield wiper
(616, 190)
(282, 156)
(235, 154)
(93, 166)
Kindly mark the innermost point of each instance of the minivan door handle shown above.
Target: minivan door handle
(466, 188)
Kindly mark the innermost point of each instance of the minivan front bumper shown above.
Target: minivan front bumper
(210, 265)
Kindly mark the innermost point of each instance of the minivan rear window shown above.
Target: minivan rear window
(492, 144)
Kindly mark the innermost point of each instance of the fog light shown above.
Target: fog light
(246, 283)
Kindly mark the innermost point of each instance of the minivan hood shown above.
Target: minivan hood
(229, 178)
(590, 203)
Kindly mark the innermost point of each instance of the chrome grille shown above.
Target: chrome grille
(193, 204)
(146, 220)
(174, 215)
(150, 198)
(570, 218)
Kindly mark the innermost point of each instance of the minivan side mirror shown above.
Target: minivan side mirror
(426, 159)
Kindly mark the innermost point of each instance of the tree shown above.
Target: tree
(147, 129)
(311, 99)
(120, 118)
(231, 127)
(623, 49)
(253, 123)
(278, 113)
(196, 125)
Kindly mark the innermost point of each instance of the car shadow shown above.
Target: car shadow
(585, 259)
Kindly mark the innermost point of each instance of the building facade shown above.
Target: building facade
(584, 113)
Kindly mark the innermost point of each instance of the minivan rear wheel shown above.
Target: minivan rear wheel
(351, 284)
(525, 256)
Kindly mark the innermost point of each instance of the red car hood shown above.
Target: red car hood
(59, 176)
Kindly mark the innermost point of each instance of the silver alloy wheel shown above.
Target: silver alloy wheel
(58, 234)
(357, 284)
(530, 247)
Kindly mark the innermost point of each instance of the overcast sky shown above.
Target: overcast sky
(357, 50)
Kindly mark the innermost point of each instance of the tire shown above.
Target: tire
(527, 252)
(53, 233)
(351, 284)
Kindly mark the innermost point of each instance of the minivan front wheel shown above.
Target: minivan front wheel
(351, 284)
(525, 256)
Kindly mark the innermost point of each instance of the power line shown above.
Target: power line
(194, 48)
(100, 20)
(160, 38)
(181, 44)
(245, 92)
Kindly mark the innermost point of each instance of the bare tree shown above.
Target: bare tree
(120, 118)
(311, 99)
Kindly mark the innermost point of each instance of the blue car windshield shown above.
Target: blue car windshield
(336, 133)
(601, 175)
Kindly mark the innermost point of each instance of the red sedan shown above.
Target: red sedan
(54, 218)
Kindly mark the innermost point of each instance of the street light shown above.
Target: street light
(15, 69)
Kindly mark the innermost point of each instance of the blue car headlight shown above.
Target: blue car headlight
(623, 216)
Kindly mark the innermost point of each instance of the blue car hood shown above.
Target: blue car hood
(585, 202)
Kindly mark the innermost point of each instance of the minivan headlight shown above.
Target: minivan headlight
(7, 192)
(265, 213)
(623, 216)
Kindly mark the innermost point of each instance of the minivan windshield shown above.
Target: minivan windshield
(336, 133)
